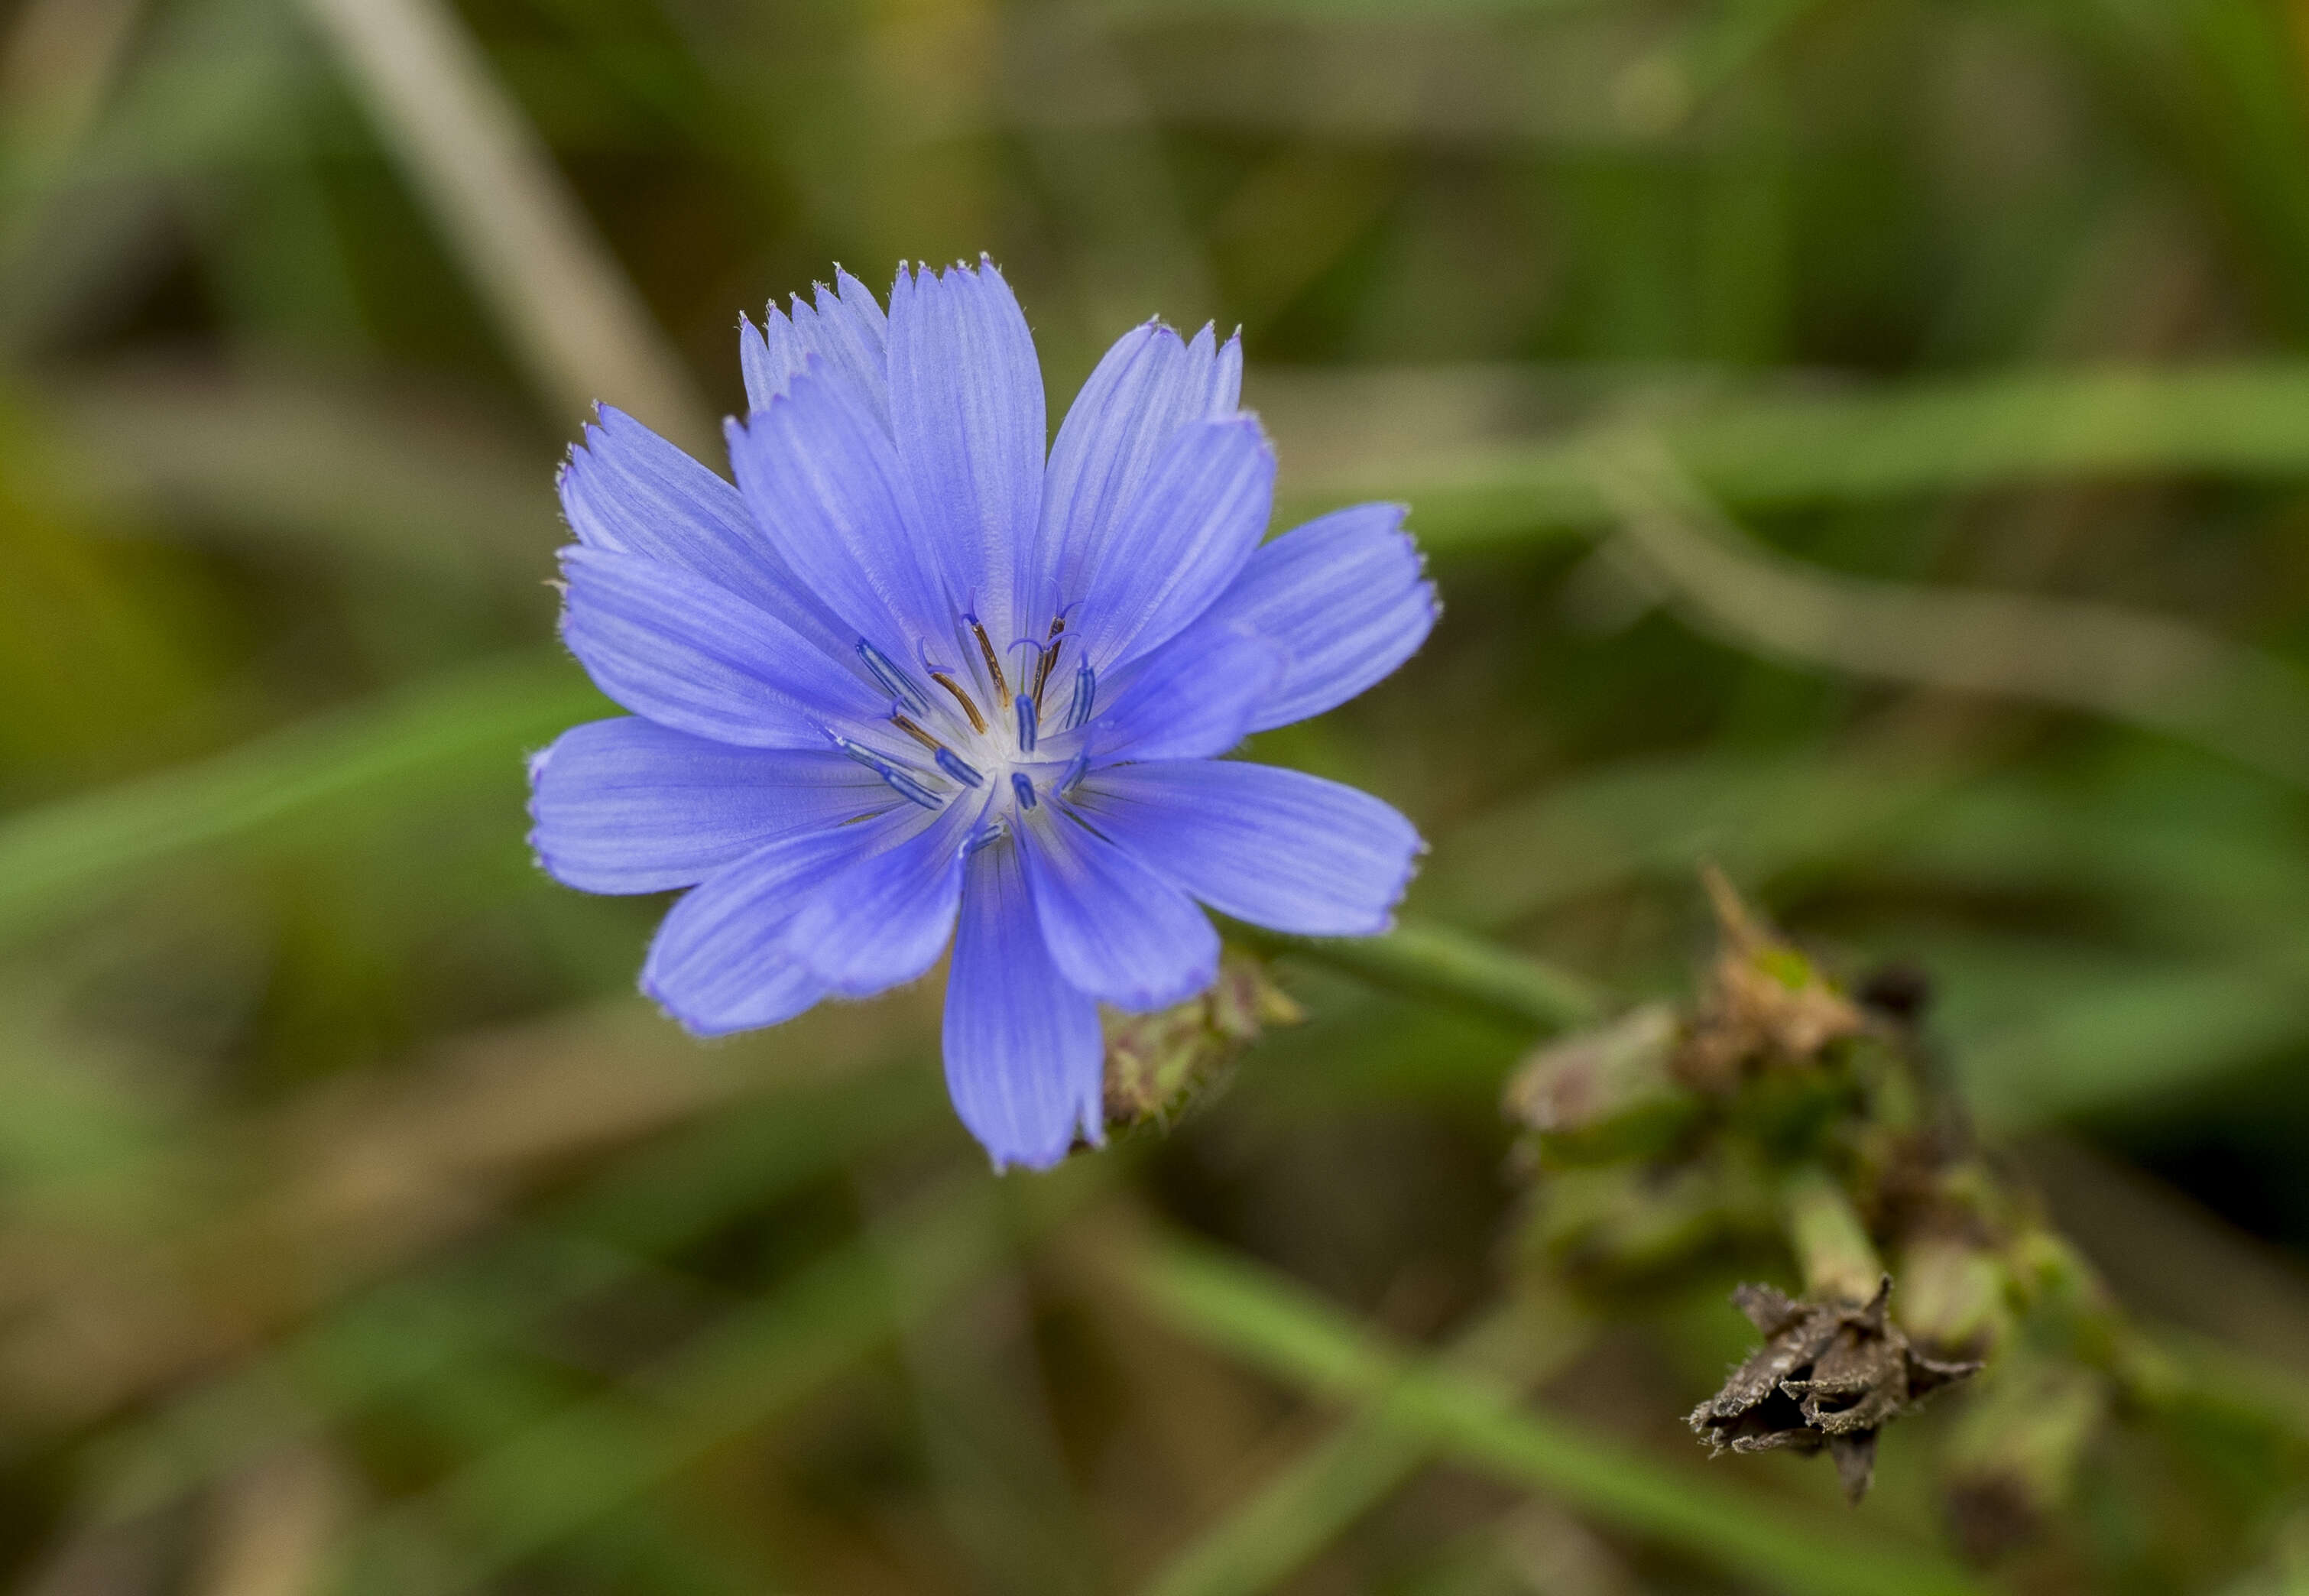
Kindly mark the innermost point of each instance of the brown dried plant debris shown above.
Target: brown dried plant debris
(1828, 1374)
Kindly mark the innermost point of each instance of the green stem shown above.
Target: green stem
(1435, 962)
(1839, 1261)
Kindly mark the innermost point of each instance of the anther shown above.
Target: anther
(1085, 696)
(916, 732)
(906, 785)
(960, 768)
(1026, 727)
(993, 661)
(892, 680)
(969, 705)
(1022, 786)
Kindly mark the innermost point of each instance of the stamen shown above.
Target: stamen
(1027, 723)
(897, 682)
(993, 661)
(986, 836)
(1022, 786)
(1075, 772)
(960, 768)
(1085, 696)
(916, 732)
(906, 785)
(969, 705)
(1050, 658)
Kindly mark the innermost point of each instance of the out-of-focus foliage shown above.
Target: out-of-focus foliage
(1861, 443)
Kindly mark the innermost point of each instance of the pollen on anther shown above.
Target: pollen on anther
(993, 661)
(962, 697)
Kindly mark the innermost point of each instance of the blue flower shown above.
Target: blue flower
(908, 681)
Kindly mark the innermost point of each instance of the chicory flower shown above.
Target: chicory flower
(911, 682)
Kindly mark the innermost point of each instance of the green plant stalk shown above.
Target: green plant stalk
(1839, 1263)
(1287, 1331)
(1434, 961)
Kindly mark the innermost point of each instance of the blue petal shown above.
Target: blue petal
(627, 490)
(1115, 928)
(845, 327)
(1346, 597)
(1192, 699)
(966, 408)
(1148, 385)
(1279, 848)
(676, 649)
(824, 484)
(1184, 539)
(886, 918)
(719, 962)
(1024, 1062)
(627, 805)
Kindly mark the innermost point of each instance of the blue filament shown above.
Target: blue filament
(1026, 723)
(897, 682)
(906, 785)
(986, 836)
(1085, 696)
(1024, 788)
(960, 768)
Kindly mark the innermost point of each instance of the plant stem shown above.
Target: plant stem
(1839, 1263)
(1435, 961)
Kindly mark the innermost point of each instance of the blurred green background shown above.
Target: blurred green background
(1860, 442)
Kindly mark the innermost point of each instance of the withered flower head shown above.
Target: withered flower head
(1828, 1374)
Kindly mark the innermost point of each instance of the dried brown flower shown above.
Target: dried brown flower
(1829, 1374)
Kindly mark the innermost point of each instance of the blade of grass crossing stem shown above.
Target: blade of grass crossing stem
(1295, 1515)
(764, 1359)
(1293, 1335)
